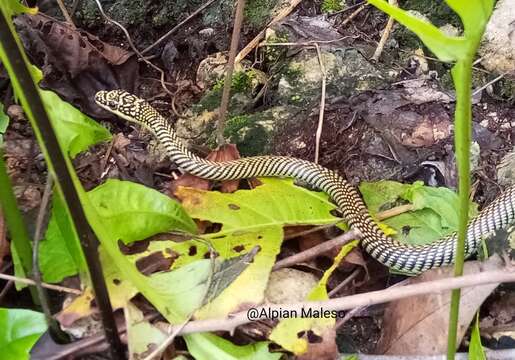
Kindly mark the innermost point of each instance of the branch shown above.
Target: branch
(350, 302)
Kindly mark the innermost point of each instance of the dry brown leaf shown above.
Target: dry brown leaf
(75, 63)
(418, 325)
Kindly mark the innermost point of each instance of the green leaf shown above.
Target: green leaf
(61, 241)
(19, 331)
(208, 347)
(277, 202)
(474, 15)
(435, 212)
(14, 7)
(4, 121)
(249, 218)
(446, 48)
(76, 131)
(476, 351)
(132, 211)
(135, 212)
(141, 334)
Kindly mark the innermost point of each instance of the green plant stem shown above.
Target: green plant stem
(462, 75)
(14, 220)
(15, 61)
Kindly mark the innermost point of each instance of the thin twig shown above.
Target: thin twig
(354, 14)
(235, 38)
(386, 33)
(36, 273)
(309, 231)
(346, 9)
(318, 134)
(45, 285)
(345, 282)
(477, 91)
(319, 249)
(350, 302)
(133, 47)
(401, 209)
(176, 27)
(255, 42)
(65, 13)
(305, 43)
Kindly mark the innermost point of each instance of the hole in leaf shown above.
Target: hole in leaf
(192, 251)
(234, 207)
(155, 262)
(117, 282)
(314, 338)
(134, 248)
(239, 248)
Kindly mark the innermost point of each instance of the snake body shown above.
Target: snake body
(390, 252)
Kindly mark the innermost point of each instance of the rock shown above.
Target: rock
(252, 133)
(168, 55)
(506, 170)
(347, 71)
(498, 45)
(289, 285)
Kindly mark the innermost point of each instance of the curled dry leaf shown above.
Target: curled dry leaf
(417, 325)
(75, 63)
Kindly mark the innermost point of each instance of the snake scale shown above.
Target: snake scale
(406, 258)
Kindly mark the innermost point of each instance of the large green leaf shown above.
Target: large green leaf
(447, 48)
(209, 346)
(135, 212)
(75, 130)
(435, 209)
(130, 210)
(19, 331)
(250, 218)
(474, 15)
(55, 259)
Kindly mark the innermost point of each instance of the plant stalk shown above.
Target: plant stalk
(462, 76)
(15, 63)
(14, 220)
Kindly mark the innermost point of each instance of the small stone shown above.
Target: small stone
(168, 55)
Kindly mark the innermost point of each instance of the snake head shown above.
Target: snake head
(118, 101)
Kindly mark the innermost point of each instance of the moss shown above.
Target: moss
(258, 12)
(274, 53)
(330, 6)
(234, 124)
(241, 84)
(172, 11)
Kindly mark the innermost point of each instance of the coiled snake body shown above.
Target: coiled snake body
(406, 258)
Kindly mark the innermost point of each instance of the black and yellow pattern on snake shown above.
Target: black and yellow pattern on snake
(407, 258)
